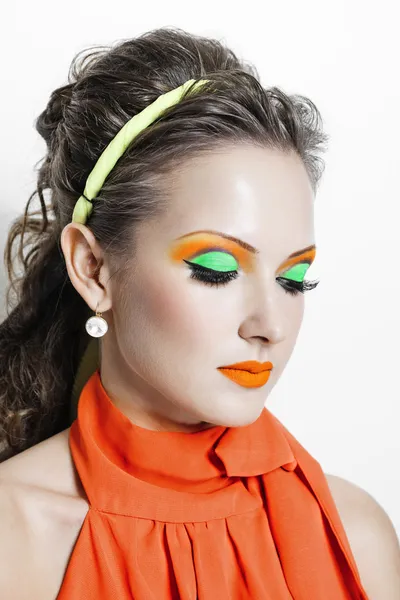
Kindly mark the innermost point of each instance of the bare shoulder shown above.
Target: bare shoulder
(13, 550)
(42, 508)
(47, 464)
(372, 538)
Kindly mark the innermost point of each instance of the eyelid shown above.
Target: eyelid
(203, 244)
(307, 257)
(304, 265)
(219, 262)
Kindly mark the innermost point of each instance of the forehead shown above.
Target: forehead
(261, 195)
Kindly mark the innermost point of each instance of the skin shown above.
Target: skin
(159, 358)
(167, 336)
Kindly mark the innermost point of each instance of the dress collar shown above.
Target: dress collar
(200, 461)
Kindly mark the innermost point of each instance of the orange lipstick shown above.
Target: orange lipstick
(249, 373)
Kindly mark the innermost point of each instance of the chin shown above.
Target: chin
(235, 418)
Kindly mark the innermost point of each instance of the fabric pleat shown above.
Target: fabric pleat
(225, 513)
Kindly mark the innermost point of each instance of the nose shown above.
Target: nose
(267, 318)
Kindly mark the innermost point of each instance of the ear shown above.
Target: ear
(86, 266)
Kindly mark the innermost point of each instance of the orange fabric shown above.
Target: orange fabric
(224, 513)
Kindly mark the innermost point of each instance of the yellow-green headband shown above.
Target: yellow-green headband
(120, 143)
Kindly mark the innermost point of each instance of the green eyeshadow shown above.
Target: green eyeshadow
(218, 261)
(297, 272)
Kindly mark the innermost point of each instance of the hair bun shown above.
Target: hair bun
(54, 113)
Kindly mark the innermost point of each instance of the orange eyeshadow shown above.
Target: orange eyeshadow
(199, 243)
(308, 257)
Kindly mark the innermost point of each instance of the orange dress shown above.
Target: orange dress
(224, 513)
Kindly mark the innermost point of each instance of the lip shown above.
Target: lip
(253, 366)
(249, 373)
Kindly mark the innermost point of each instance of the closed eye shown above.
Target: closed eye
(216, 261)
(218, 268)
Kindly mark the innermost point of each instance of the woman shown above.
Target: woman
(190, 239)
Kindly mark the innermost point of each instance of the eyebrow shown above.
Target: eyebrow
(243, 244)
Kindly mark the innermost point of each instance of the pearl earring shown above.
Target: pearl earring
(96, 326)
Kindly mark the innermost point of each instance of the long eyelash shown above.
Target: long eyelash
(210, 276)
(221, 278)
(294, 287)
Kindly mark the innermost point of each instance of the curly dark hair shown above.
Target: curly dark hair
(43, 338)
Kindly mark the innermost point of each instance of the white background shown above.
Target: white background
(339, 394)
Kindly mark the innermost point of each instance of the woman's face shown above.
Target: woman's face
(169, 332)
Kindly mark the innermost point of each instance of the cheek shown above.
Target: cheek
(299, 311)
(295, 314)
(170, 307)
(174, 309)
(294, 310)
